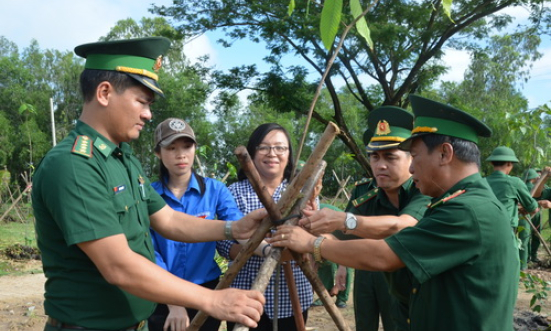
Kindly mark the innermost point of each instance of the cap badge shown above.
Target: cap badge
(177, 125)
(382, 128)
(158, 63)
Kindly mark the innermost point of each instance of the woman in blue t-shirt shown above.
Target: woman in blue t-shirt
(186, 191)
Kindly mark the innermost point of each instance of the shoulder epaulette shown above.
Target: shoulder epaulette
(446, 199)
(363, 181)
(366, 197)
(83, 146)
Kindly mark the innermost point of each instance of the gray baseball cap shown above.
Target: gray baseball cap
(171, 129)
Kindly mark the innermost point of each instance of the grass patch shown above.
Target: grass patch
(17, 233)
(14, 234)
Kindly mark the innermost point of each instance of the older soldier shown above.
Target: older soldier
(379, 208)
(463, 261)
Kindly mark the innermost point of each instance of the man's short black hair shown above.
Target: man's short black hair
(499, 163)
(466, 151)
(90, 79)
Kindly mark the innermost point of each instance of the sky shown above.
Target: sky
(64, 24)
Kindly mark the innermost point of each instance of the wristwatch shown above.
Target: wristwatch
(350, 222)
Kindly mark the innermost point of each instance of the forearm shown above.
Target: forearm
(179, 226)
(373, 255)
(380, 227)
(122, 267)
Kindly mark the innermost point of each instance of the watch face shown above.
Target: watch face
(351, 222)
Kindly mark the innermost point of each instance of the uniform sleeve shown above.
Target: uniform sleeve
(439, 242)
(545, 194)
(76, 193)
(156, 202)
(524, 197)
(416, 206)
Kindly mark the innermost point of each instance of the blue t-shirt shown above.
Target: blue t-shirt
(194, 261)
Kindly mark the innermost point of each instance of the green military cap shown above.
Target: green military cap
(438, 118)
(367, 136)
(504, 154)
(140, 58)
(390, 126)
(530, 174)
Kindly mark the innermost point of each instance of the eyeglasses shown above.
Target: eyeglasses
(278, 150)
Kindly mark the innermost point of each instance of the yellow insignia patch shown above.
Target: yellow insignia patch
(366, 197)
(383, 128)
(446, 199)
(82, 146)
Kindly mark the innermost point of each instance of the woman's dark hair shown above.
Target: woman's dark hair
(465, 151)
(256, 138)
(90, 79)
(163, 174)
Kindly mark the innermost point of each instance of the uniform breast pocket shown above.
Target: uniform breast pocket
(123, 202)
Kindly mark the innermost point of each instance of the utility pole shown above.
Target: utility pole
(53, 122)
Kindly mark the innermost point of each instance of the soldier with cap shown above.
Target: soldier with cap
(543, 195)
(462, 260)
(512, 192)
(94, 205)
(378, 208)
(530, 177)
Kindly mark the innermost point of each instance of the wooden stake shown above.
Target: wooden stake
(288, 199)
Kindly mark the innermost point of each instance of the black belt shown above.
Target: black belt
(57, 324)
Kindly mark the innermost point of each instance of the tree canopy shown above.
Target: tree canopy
(409, 38)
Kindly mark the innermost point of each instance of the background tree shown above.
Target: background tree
(490, 91)
(408, 37)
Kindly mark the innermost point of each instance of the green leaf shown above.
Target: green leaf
(533, 301)
(330, 19)
(447, 6)
(361, 24)
(26, 107)
(232, 169)
(291, 7)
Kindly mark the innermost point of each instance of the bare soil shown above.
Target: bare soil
(21, 304)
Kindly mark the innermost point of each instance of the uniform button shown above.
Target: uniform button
(409, 321)
(414, 291)
(126, 208)
(146, 233)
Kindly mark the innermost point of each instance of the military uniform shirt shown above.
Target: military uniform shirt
(511, 191)
(411, 202)
(88, 188)
(465, 264)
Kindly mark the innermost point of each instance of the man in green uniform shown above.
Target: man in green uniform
(462, 261)
(512, 191)
(389, 202)
(530, 177)
(94, 206)
(543, 195)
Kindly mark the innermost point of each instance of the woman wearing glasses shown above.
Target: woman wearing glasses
(270, 149)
